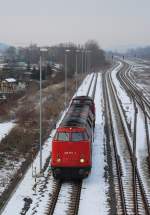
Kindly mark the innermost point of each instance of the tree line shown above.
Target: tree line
(86, 57)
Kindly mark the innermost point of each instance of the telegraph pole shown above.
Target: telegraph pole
(41, 50)
(66, 74)
(76, 72)
(40, 113)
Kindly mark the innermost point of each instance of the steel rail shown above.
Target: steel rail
(74, 205)
(140, 101)
(133, 166)
(132, 90)
(117, 158)
(53, 200)
(94, 90)
(90, 85)
(131, 80)
(126, 133)
(75, 198)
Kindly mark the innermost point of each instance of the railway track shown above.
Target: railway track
(54, 197)
(131, 195)
(113, 156)
(140, 92)
(130, 87)
(75, 198)
(144, 104)
(131, 189)
(73, 187)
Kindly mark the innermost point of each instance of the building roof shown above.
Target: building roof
(10, 80)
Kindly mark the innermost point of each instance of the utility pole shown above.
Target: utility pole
(41, 50)
(82, 61)
(40, 113)
(76, 72)
(85, 67)
(66, 74)
(88, 61)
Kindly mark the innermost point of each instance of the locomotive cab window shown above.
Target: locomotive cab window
(76, 102)
(78, 136)
(62, 136)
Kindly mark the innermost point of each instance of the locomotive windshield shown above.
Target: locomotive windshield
(88, 102)
(72, 136)
(78, 136)
(76, 102)
(62, 136)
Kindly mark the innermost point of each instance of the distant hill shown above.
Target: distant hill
(3, 47)
(122, 48)
(140, 52)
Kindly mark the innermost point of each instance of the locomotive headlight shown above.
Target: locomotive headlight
(58, 160)
(82, 160)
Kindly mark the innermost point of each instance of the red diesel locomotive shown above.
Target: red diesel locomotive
(72, 143)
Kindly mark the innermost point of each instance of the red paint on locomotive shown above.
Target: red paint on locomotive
(72, 144)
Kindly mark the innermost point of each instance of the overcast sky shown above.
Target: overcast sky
(112, 23)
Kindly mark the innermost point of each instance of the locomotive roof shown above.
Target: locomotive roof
(79, 108)
(73, 121)
(78, 112)
(83, 98)
(70, 129)
(77, 115)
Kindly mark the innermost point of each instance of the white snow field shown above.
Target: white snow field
(10, 168)
(5, 128)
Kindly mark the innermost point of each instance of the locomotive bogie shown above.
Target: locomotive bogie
(71, 172)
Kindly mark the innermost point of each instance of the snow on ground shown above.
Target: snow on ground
(25, 187)
(8, 167)
(126, 101)
(83, 88)
(92, 86)
(5, 128)
(142, 151)
(139, 66)
(94, 188)
(8, 171)
(140, 70)
(141, 145)
(122, 151)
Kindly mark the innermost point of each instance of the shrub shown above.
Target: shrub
(18, 139)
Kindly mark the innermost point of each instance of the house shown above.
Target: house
(8, 85)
